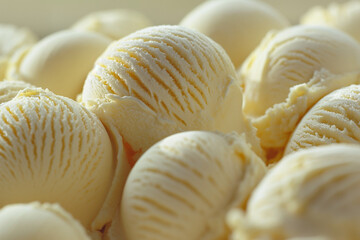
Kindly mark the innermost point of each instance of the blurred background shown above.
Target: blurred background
(47, 16)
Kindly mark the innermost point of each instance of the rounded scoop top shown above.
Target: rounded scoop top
(35, 221)
(54, 150)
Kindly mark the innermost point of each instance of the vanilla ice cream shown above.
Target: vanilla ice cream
(312, 192)
(9, 89)
(35, 221)
(55, 150)
(183, 186)
(237, 25)
(334, 119)
(114, 23)
(12, 39)
(61, 61)
(162, 80)
(343, 16)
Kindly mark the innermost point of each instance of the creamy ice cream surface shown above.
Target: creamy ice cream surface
(237, 25)
(182, 187)
(114, 23)
(36, 221)
(55, 150)
(333, 119)
(344, 16)
(312, 192)
(60, 61)
(162, 80)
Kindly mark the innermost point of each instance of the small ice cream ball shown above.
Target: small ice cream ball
(290, 57)
(343, 16)
(55, 150)
(333, 119)
(36, 221)
(162, 80)
(61, 61)
(183, 186)
(237, 25)
(312, 192)
(114, 23)
(12, 39)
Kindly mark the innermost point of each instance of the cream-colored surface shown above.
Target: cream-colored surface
(13, 38)
(237, 25)
(54, 150)
(313, 192)
(61, 61)
(9, 89)
(114, 23)
(162, 80)
(345, 16)
(35, 221)
(182, 187)
(290, 57)
(279, 122)
(334, 119)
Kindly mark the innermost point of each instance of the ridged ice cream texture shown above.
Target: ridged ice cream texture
(12, 39)
(9, 89)
(39, 221)
(312, 192)
(54, 150)
(114, 23)
(333, 119)
(162, 80)
(60, 61)
(237, 25)
(290, 57)
(182, 187)
(343, 16)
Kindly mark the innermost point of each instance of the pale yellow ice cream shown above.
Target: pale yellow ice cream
(12, 39)
(313, 192)
(114, 23)
(61, 61)
(343, 16)
(183, 186)
(334, 119)
(279, 122)
(35, 221)
(9, 89)
(55, 150)
(162, 80)
(290, 57)
(237, 25)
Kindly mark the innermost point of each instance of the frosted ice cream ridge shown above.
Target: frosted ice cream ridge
(13, 39)
(237, 25)
(114, 23)
(183, 186)
(36, 221)
(344, 16)
(312, 192)
(60, 61)
(288, 72)
(55, 150)
(162, 80)
(333, 119)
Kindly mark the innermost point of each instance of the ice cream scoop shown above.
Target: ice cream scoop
(333, 119)
(54, 150)
(114, 23)
(237, 25)
(162, 80)
(343, 16)
(36, 221)
(13, 38)
(290, 57)
(312, 192)
(182, 187)
(9, 89)
(61, 61)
